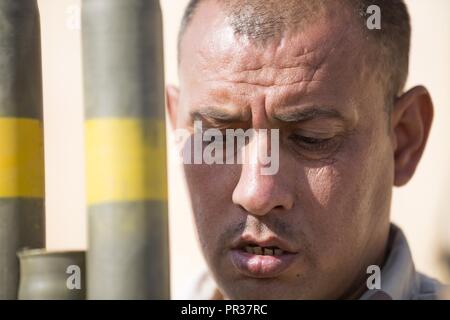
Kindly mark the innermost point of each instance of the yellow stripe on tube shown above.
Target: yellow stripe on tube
(21, 158)
(126, 160)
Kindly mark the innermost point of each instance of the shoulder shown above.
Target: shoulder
(431, 289)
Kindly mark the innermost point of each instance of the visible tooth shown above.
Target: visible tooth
(268, 252)
(249, 249)
(278, 252)
(257, 250)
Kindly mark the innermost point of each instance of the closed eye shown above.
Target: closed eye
(313, 144)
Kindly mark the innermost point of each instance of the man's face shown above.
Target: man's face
(324, 217)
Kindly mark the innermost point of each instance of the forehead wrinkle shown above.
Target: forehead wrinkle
(232, 52)
(266, 68)
(268, 74)
(306, 55)
(270, 83)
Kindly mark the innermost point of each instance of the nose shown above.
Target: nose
(260, 194)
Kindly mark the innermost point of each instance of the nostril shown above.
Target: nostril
(259, 196)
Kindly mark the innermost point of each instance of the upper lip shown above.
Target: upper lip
(271, 241)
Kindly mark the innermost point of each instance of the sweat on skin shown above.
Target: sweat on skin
(340, 153)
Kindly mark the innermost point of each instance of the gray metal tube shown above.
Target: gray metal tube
(22, 220)
(125, 147)
(52, 275)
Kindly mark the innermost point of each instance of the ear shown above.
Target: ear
(411, 122)
(172, 97)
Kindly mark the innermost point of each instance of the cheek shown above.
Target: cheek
(333, 221)
(354, 176)
(211, 184)
(335, 191)
(335, 202)
(348, 195)
(338, 185)
(323, 183)
(342, 190)
(211, 188)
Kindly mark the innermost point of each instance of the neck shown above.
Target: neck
(357, 290)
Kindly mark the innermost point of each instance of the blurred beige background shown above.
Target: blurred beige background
(421, 208)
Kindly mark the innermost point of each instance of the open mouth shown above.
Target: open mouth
(264, 259)
(264, 251)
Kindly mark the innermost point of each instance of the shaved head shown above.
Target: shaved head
(387, 49)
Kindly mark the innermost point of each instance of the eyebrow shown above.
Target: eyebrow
(298, 114)
(309, 113)
(217, 114)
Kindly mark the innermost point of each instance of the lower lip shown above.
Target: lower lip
(259, 266)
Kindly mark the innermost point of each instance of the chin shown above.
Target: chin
(259, 289)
